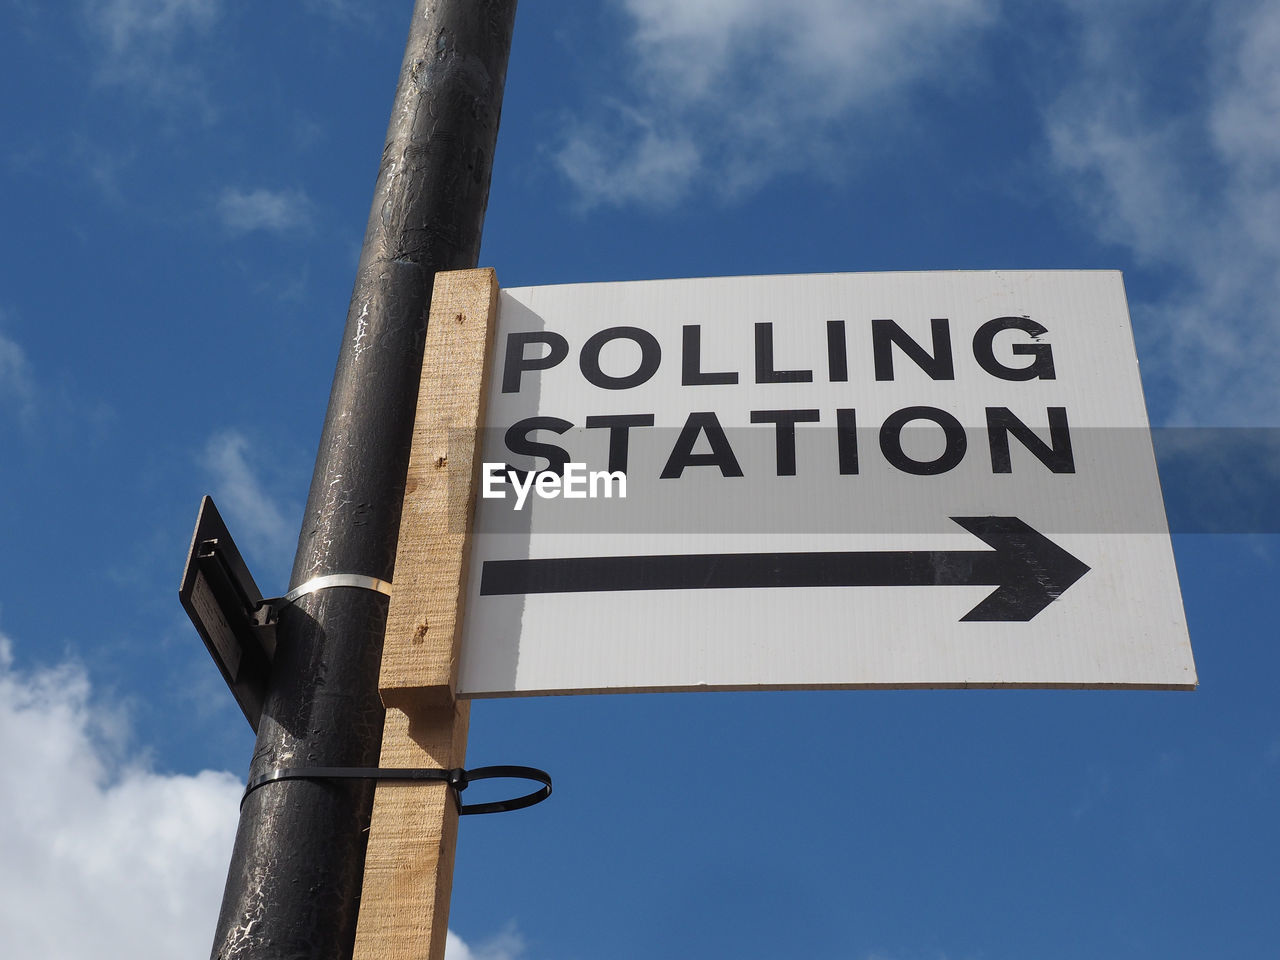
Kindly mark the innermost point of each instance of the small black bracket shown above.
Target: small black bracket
(228, 611)
(237, 625)
(457, 779)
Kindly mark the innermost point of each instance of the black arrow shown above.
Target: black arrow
(1028, 570)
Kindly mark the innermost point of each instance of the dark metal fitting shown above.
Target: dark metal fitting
(457, 779)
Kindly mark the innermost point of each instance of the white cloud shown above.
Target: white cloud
(140, 44)
(103, 857)
(1165, 120)
(634, 164)
(803, 71)
(277, 211)
(507, 945)
(257, 520)
(1190, 183)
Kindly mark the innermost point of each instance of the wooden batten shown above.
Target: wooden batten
(404, 907)
(420, 654)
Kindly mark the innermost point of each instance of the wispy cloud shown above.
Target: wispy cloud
(275, 211)
(136, 25)
(629, 162)
(1189, 182)
(141, 44)
(803, 71)
(45, 404)
(259, 521)
(17, 386)
(343, 11)
(80, 817)
(1092, 792)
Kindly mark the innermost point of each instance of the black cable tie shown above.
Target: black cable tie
(457, 778)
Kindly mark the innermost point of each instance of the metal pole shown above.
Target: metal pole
(293, 888)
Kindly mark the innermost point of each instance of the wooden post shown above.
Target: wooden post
(404, 907)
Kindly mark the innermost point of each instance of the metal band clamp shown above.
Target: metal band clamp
(337, 580)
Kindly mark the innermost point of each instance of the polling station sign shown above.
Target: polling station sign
(832, 481)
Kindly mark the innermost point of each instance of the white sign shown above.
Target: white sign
(831, 481)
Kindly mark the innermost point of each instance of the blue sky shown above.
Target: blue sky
(183, 191)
